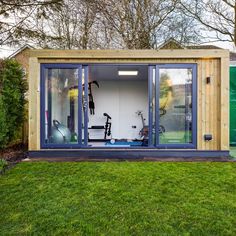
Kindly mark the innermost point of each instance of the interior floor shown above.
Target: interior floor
(117, 143)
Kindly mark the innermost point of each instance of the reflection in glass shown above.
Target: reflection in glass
(175, 106)
(61, 106)
(84, 107)
(153, 105)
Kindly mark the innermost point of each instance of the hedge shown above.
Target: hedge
(13, 87)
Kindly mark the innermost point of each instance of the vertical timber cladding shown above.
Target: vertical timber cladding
(34, 104)
(212, 98)
(209, 108)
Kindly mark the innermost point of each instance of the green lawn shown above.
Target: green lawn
(119, 198)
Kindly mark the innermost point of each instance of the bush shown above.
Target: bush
(12, 101)
(3, 164)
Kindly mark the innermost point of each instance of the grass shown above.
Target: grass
(121, 198)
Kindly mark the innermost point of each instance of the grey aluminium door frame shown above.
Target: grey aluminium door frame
(82, 104)
(154, 108)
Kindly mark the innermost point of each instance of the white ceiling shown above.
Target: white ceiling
(110, 72)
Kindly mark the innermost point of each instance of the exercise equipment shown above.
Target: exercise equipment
(107, 128)
(59, 133)
(161, 129)
(145, 129)
(90, 96)
(73, 93)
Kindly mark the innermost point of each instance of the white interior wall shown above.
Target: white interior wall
(121, 100)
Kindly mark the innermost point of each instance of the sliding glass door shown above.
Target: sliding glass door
(171, 111)
(63, 105)
(172, 105)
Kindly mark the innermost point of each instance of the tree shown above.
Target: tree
(69, 28)
(136, 21)
(216, 16)
(183, 29)
(144, 24)
(90, 24)
(12, 100)
(14, 13)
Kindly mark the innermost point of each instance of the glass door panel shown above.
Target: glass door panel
(62, 111)
(175, 106)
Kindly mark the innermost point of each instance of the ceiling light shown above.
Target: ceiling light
(127, 72)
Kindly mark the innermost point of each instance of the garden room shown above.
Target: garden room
(126, 103)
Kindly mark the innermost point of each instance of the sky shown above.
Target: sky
(6, 51)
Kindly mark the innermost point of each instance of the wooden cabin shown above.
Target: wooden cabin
(129, 103)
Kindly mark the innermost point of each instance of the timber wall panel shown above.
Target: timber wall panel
(209, 104)
(218, 102)
(34, 104)
(207, 108)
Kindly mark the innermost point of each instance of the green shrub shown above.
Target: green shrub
(3, 164)
(12, 100)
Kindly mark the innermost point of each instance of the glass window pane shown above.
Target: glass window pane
(175, 106)
(61, 106)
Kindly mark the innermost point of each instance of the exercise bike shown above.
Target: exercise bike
(145, 129)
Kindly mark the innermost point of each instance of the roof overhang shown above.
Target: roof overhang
(128, 54)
